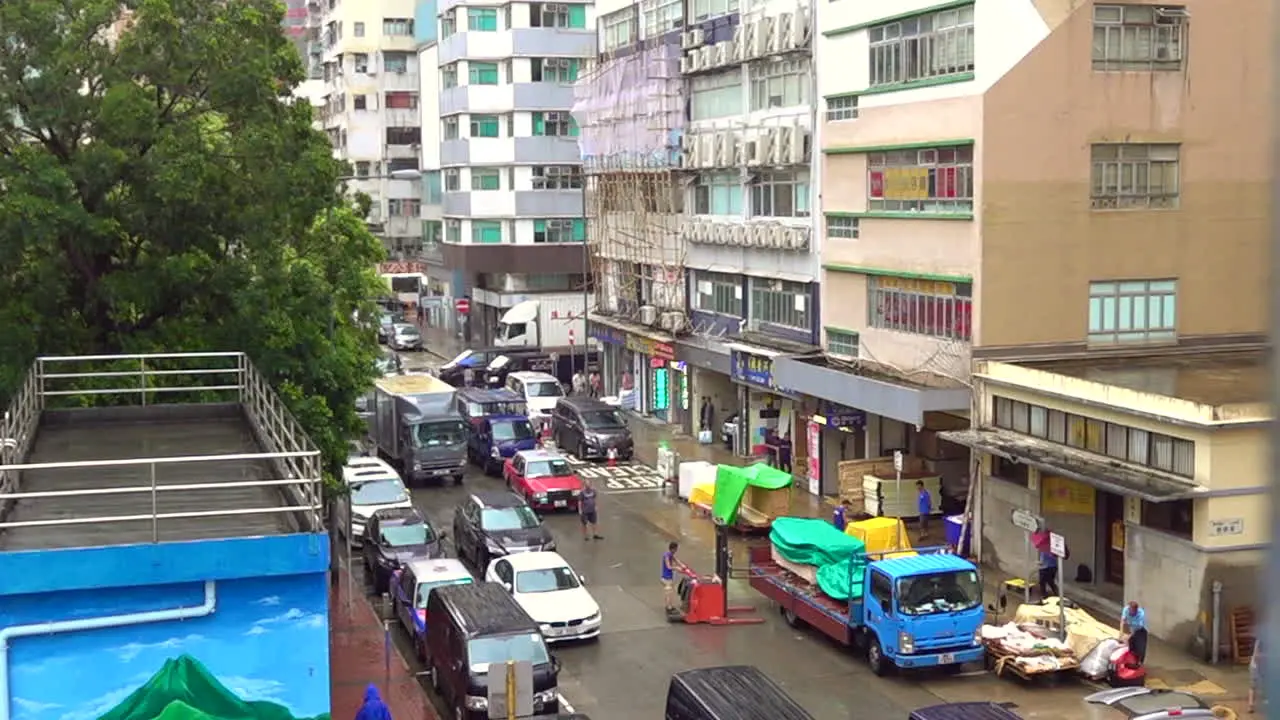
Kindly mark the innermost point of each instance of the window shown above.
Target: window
(1138, 37)
(451, 181)
(401, 164)
(453, 231)
(1010, 471)
(486, 178)
(482, 19)
(404, 136)
(1133, 311)
(557, 177)
(716, 96)
(718, 293)
(1134, 176)
(486, 232)
(562, 230)
(922, 307)
(557, 15)
(842, 342)
(360, 102)
(482, 73)
(361, 62)
(404, 208)
(618, 29)
(1175, 517)
(936, 180)
(842, 227)
(484, 126)
(397, 27)
(662, 16)
(362, 169)
(395, 62)
(842, 108)
(449, 75)
(358, 29)
(936, 45)
(554, 124)
(450, 128)
(779, 83)
(703, 9)
(448, 25)
(718, 194)
(553, 70)
(401, 100)
(779, 302)
(780, 194)
(432, 187)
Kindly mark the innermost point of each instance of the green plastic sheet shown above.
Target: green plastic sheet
(841, 559)
(732, 483)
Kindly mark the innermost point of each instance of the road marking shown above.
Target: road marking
(632, 477)
(565, 707)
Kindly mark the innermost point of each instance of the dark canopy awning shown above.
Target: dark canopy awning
(1104, 474)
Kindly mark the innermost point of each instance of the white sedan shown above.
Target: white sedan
(551, 592)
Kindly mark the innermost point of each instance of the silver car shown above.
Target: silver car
(1143, 703)
(405, 337)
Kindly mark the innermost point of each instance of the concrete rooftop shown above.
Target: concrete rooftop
(1216, 380)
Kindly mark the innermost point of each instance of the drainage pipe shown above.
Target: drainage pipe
(58, 627)
(1217, 622)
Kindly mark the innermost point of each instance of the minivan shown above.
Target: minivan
(741, 692)
(965, 711)
(590, 428)
(472, 627)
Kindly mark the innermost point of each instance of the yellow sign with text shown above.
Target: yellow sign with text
(1065, 496)
(906, 183)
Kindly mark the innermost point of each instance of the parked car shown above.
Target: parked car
(490, 524)
(729, 431)
(590, 428)
(737, 691)
(372, 485)
(394, 537)
(412, 583)
(551, 592)
(544, 479)
(386, 321)
(540, 391)
(388, 363)
(1143, 703)
(405, 337)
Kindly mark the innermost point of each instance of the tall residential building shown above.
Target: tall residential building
(443, 282)
(511, 172)
(371, 114)
(697, 126)
(1044, 268)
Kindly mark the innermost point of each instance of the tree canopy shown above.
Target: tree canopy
(160, 191)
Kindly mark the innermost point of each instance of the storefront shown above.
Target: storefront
(835, 434)
(770, 409)
(642, 373)
(713, 398)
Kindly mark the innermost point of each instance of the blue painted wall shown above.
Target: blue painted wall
(265, 646)
(424, 21)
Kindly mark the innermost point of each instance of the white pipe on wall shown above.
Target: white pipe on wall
(97, 623)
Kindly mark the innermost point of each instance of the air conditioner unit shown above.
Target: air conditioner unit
(688, 230)
(777, 145)
(689, 147)
(764, 31)
(739, 235)
(763, 148)
(672, 322)
(727, 149)
(746, 37)
(686, 64)
(760, 235)
(692, 39)
(725, 52)
(707, 154)
(778, 236)
(694, 59)
(648, 314)
(800, 28)
(781, 33)
(708, 56)
(796, 151)
(746, 153)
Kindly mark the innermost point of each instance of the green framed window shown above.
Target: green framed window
(482, 73)
(482, 19)
(485, 178)
(486, 232)
(484, 126)
(560, 230)
(554, 124)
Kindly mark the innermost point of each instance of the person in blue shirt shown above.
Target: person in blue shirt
(670, 565)
(840, 518)
(1048, 575)
(1133, 622)
(924, 504)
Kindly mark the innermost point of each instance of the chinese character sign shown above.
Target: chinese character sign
(1065, 496)
(752, 369)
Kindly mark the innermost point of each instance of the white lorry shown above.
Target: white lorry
(547, 323)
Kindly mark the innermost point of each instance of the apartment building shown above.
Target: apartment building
(704, 226)
(1035, 201)
(511, 175)
(371, 114)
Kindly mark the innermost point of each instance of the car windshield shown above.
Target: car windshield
(601, 419)
(548, 468)
(460, 359)
(406, 330)
(485, 651)
(546, 580)
(405, 535)
(424, 588)
(440, 434)
(545, 388)
(377, 492)
(511, 518)
(1154, 702)
(939, 592)
(512, 430)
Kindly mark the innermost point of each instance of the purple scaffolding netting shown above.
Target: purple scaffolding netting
(630, 110)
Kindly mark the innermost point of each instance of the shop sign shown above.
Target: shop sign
(607, 335)
(815, 457)
(751, 369)
(839, 417)
(1064, 496)
(402, 268)
(649, 347)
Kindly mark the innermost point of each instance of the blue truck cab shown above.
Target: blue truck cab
(497, 426)
(914, 611)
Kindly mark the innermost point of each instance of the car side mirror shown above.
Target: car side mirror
(506, 585)
(555, 664)
(582, 579)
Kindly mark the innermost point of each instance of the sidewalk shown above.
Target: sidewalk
(358, 657)
(441, 342)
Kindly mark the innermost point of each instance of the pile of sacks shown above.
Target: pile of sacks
(822, 555)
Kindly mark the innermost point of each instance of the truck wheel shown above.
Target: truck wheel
(875, 658)
(789, 616)
(457, 479)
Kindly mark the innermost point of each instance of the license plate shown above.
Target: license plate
(946, 659)
(562, 503)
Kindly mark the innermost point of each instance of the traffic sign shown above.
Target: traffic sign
(1026, 520)
(462, 305)
(1057, 545)
(897, 461)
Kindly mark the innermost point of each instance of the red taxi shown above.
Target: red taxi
(544, 479)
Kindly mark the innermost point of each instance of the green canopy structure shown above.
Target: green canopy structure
(732, 483)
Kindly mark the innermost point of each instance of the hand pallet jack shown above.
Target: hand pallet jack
(705, 599)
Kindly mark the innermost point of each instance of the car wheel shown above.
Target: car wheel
(875, 658)
(457, 479)
(582, 451)
(789, 616)
(482, 561)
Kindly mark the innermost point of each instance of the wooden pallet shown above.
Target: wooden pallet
(1000, 660)
(1243, 623)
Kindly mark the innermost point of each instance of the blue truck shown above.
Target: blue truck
(497, 426)
(913, 611)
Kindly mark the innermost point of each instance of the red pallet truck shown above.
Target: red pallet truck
(705, 599)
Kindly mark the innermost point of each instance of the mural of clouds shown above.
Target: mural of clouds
(268, 601)
(128, 652)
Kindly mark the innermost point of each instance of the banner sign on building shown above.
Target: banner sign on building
(607, 335)
(751, 369)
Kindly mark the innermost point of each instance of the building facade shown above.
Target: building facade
(512, 187)
(371, 114)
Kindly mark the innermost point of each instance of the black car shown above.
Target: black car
(590, 428)
(392, 538)
(737, 691)
(476, 360)
(491, 524)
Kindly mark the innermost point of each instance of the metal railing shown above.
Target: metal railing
(289, 450)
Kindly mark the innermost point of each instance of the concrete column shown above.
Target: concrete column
(873, 436)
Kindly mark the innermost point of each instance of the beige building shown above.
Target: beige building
(1069, 182)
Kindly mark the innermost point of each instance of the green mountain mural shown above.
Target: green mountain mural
(184, 689)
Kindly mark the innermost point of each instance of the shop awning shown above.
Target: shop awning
(1112, 476)
(896, 400)
(632, 328)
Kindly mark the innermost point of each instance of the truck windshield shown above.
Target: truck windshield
(485, 651)
(547, 388)
(439, 434)
(512, 430)
(939, 592)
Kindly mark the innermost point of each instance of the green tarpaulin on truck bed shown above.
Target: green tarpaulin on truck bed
(732, 483)
(806, 541)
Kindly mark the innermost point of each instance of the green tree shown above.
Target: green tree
(161, 191)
